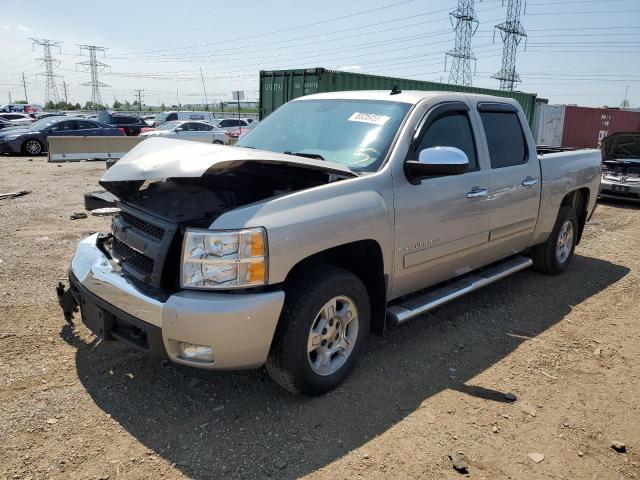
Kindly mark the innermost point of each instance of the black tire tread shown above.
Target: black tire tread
(299, 292)
(543, 254)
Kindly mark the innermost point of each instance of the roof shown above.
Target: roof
(406, 96)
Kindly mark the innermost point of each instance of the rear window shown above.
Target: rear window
(505, 139)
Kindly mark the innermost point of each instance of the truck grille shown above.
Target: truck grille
(143, 226)
(124, 254)
(141, 244)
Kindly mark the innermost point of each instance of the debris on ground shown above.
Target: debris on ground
(459, 462)
(536, 457)
(19, 193)
(77, 215)
(618, 446)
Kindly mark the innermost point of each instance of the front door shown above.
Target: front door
(442, 223)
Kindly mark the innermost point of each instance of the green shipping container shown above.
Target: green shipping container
(277, 87)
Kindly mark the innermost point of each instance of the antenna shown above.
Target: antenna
(465, 23)
(512, 33)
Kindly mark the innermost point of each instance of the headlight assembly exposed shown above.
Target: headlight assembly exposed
(223, 259)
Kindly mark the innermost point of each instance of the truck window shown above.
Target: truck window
(171, 117)
(505, 139)
(451, 129)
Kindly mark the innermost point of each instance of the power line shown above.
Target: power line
(512, 33)
(465, 27)
(51, 90)
(94, 66)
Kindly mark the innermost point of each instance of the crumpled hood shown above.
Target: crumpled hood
(621, 145)
(158, 157)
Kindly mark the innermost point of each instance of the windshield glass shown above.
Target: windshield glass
(44, 123)
(355, 133)
(167, 126)
(160, 117)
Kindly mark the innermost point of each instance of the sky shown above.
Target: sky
(583, 52)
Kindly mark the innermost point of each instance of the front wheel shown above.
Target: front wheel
(32, 147)
(322, 329)
(555, 254)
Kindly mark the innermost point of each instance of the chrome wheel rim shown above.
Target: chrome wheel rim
(333, 335)
(565, 242)
(33, 147)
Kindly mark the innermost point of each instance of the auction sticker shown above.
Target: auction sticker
(369, 118)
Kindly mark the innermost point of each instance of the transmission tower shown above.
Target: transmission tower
(94, 66)
(465, 24)
(512, 33)
(51, 91)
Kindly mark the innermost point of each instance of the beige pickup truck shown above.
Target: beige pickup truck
(339, 214)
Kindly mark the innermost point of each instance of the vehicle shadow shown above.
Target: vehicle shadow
(229, 424)
(619, 203)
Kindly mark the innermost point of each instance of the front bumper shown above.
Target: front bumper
(238, 327)
(625, 191)
(10, 146)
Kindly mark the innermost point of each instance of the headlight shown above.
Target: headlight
(223, 259)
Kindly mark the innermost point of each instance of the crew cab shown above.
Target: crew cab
(338, 215)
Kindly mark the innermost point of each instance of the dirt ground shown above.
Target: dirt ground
(568, 347)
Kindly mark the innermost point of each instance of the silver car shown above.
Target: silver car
(621, 170)
(190, 130)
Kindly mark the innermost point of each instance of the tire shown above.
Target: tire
(32, 147)
(555, 254)
(305, 321)
(218, 142)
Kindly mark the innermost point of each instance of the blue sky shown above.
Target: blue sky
(578, 51)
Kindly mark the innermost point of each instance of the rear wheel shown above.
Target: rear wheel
(32, 147)
(323, 326)
(555, 254)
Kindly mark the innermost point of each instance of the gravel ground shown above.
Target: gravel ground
(566, 346)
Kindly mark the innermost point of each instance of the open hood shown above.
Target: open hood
(621, 146)
(158, 157)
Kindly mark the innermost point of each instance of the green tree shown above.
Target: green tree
(625, 103)
(116, 104)
(77, 107)
(49, 105)
(21, 102)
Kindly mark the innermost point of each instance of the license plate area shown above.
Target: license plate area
(620, 188)
(99, 321)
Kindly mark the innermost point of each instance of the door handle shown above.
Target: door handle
(529, 182)
(478, 193)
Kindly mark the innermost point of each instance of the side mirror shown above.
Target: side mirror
(437, 161)
(178, 129)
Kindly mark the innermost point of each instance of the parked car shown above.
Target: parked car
(187, 130)
(6, 124)
(621, 171)
(33, 140)
(17, 118)
(130, 124)
(40, 116)
(338, 213)
(171, 116)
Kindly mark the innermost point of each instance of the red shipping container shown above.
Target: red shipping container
(586, 127)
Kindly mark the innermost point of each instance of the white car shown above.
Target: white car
(186, 130)
(230, 123)
(18, 119)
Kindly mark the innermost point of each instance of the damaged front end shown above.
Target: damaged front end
(168, 185)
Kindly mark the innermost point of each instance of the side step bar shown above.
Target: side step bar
(416, 306)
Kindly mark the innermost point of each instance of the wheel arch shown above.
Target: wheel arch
(364, 259)
(578, 200)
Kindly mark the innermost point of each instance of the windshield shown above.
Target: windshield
(167, 126)
(43, 123)
(355, 133)
(160, 117)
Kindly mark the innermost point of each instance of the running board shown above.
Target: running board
(416, 306)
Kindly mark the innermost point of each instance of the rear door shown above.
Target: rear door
(442, 223)
(515, 179)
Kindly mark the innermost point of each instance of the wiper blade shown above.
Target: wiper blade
(315, 156)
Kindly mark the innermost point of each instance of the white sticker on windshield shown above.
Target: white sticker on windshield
(369, 118)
